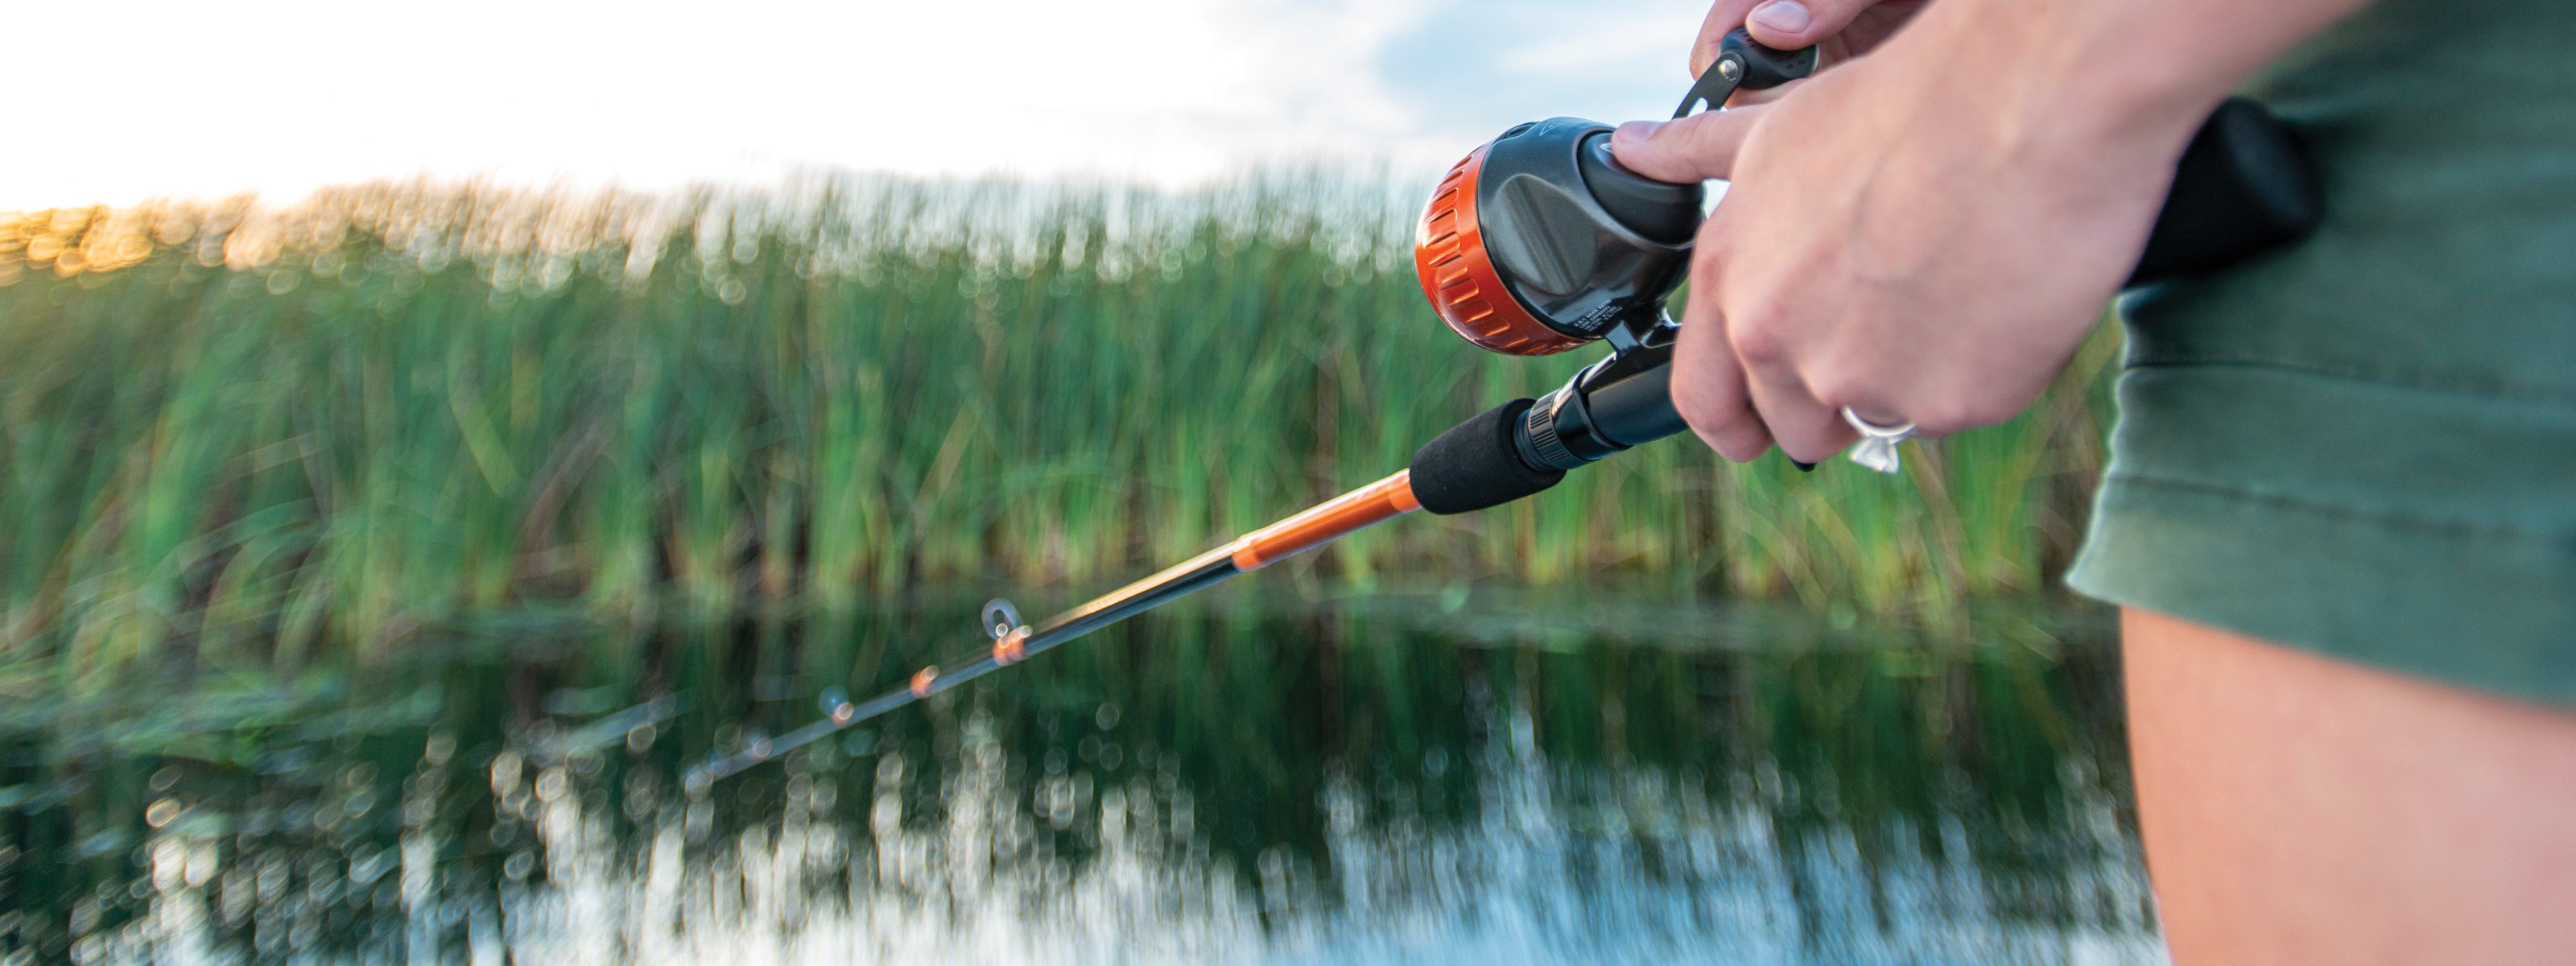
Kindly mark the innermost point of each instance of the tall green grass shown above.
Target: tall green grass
(252, 432)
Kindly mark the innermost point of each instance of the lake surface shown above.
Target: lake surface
(1421, 778)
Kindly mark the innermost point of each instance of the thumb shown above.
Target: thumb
(1790, 24)
(1700, 147)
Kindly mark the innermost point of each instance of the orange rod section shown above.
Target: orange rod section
(1329, 521)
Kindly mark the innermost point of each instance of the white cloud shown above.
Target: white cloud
(122, 100)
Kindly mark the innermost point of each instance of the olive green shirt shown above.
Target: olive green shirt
(2365, 445)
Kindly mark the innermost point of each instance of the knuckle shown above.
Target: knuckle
(1686, 136)
(1699, 405)
(1721, 423)
(1758, 341)
(1707, 255)
(1837, 387)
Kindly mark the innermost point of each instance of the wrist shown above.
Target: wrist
(2106, 78)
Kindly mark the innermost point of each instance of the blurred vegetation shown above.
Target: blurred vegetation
(246, 433)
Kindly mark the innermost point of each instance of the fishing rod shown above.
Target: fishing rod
(1539, 242)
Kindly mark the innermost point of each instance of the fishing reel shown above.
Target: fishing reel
(1540, 242)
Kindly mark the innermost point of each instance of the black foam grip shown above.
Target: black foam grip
(1476, 464)
(2244, 186)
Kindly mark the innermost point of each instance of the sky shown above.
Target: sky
(116, 101)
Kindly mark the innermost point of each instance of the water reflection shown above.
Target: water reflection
(1323, 784)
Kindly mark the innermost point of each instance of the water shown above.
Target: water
(1387, 778)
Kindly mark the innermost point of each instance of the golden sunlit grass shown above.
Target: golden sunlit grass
(254, 432)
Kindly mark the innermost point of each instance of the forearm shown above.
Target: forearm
(2108, 67)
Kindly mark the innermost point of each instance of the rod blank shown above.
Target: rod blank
(1313, 527)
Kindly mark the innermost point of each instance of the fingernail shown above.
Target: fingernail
(1803, 467)
(1785, 16)
(1632, 133)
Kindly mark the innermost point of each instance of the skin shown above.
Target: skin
(1924, 232)
(2299, 809)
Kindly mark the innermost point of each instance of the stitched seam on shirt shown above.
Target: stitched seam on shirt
(2395, 521)
(2404, 379)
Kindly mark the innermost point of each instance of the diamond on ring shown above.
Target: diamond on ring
(1877, 446)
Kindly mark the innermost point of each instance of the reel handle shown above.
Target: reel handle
(2244, 186)
(1744, 64)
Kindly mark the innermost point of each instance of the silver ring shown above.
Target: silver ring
(1877, 446)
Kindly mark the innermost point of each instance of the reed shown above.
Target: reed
(250, 432)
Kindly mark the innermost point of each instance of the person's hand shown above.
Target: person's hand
(1905, 237)
(1840, 29)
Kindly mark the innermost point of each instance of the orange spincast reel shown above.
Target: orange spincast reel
(1538, 242)
(1458, 276)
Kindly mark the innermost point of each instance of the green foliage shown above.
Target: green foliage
(247, 433)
